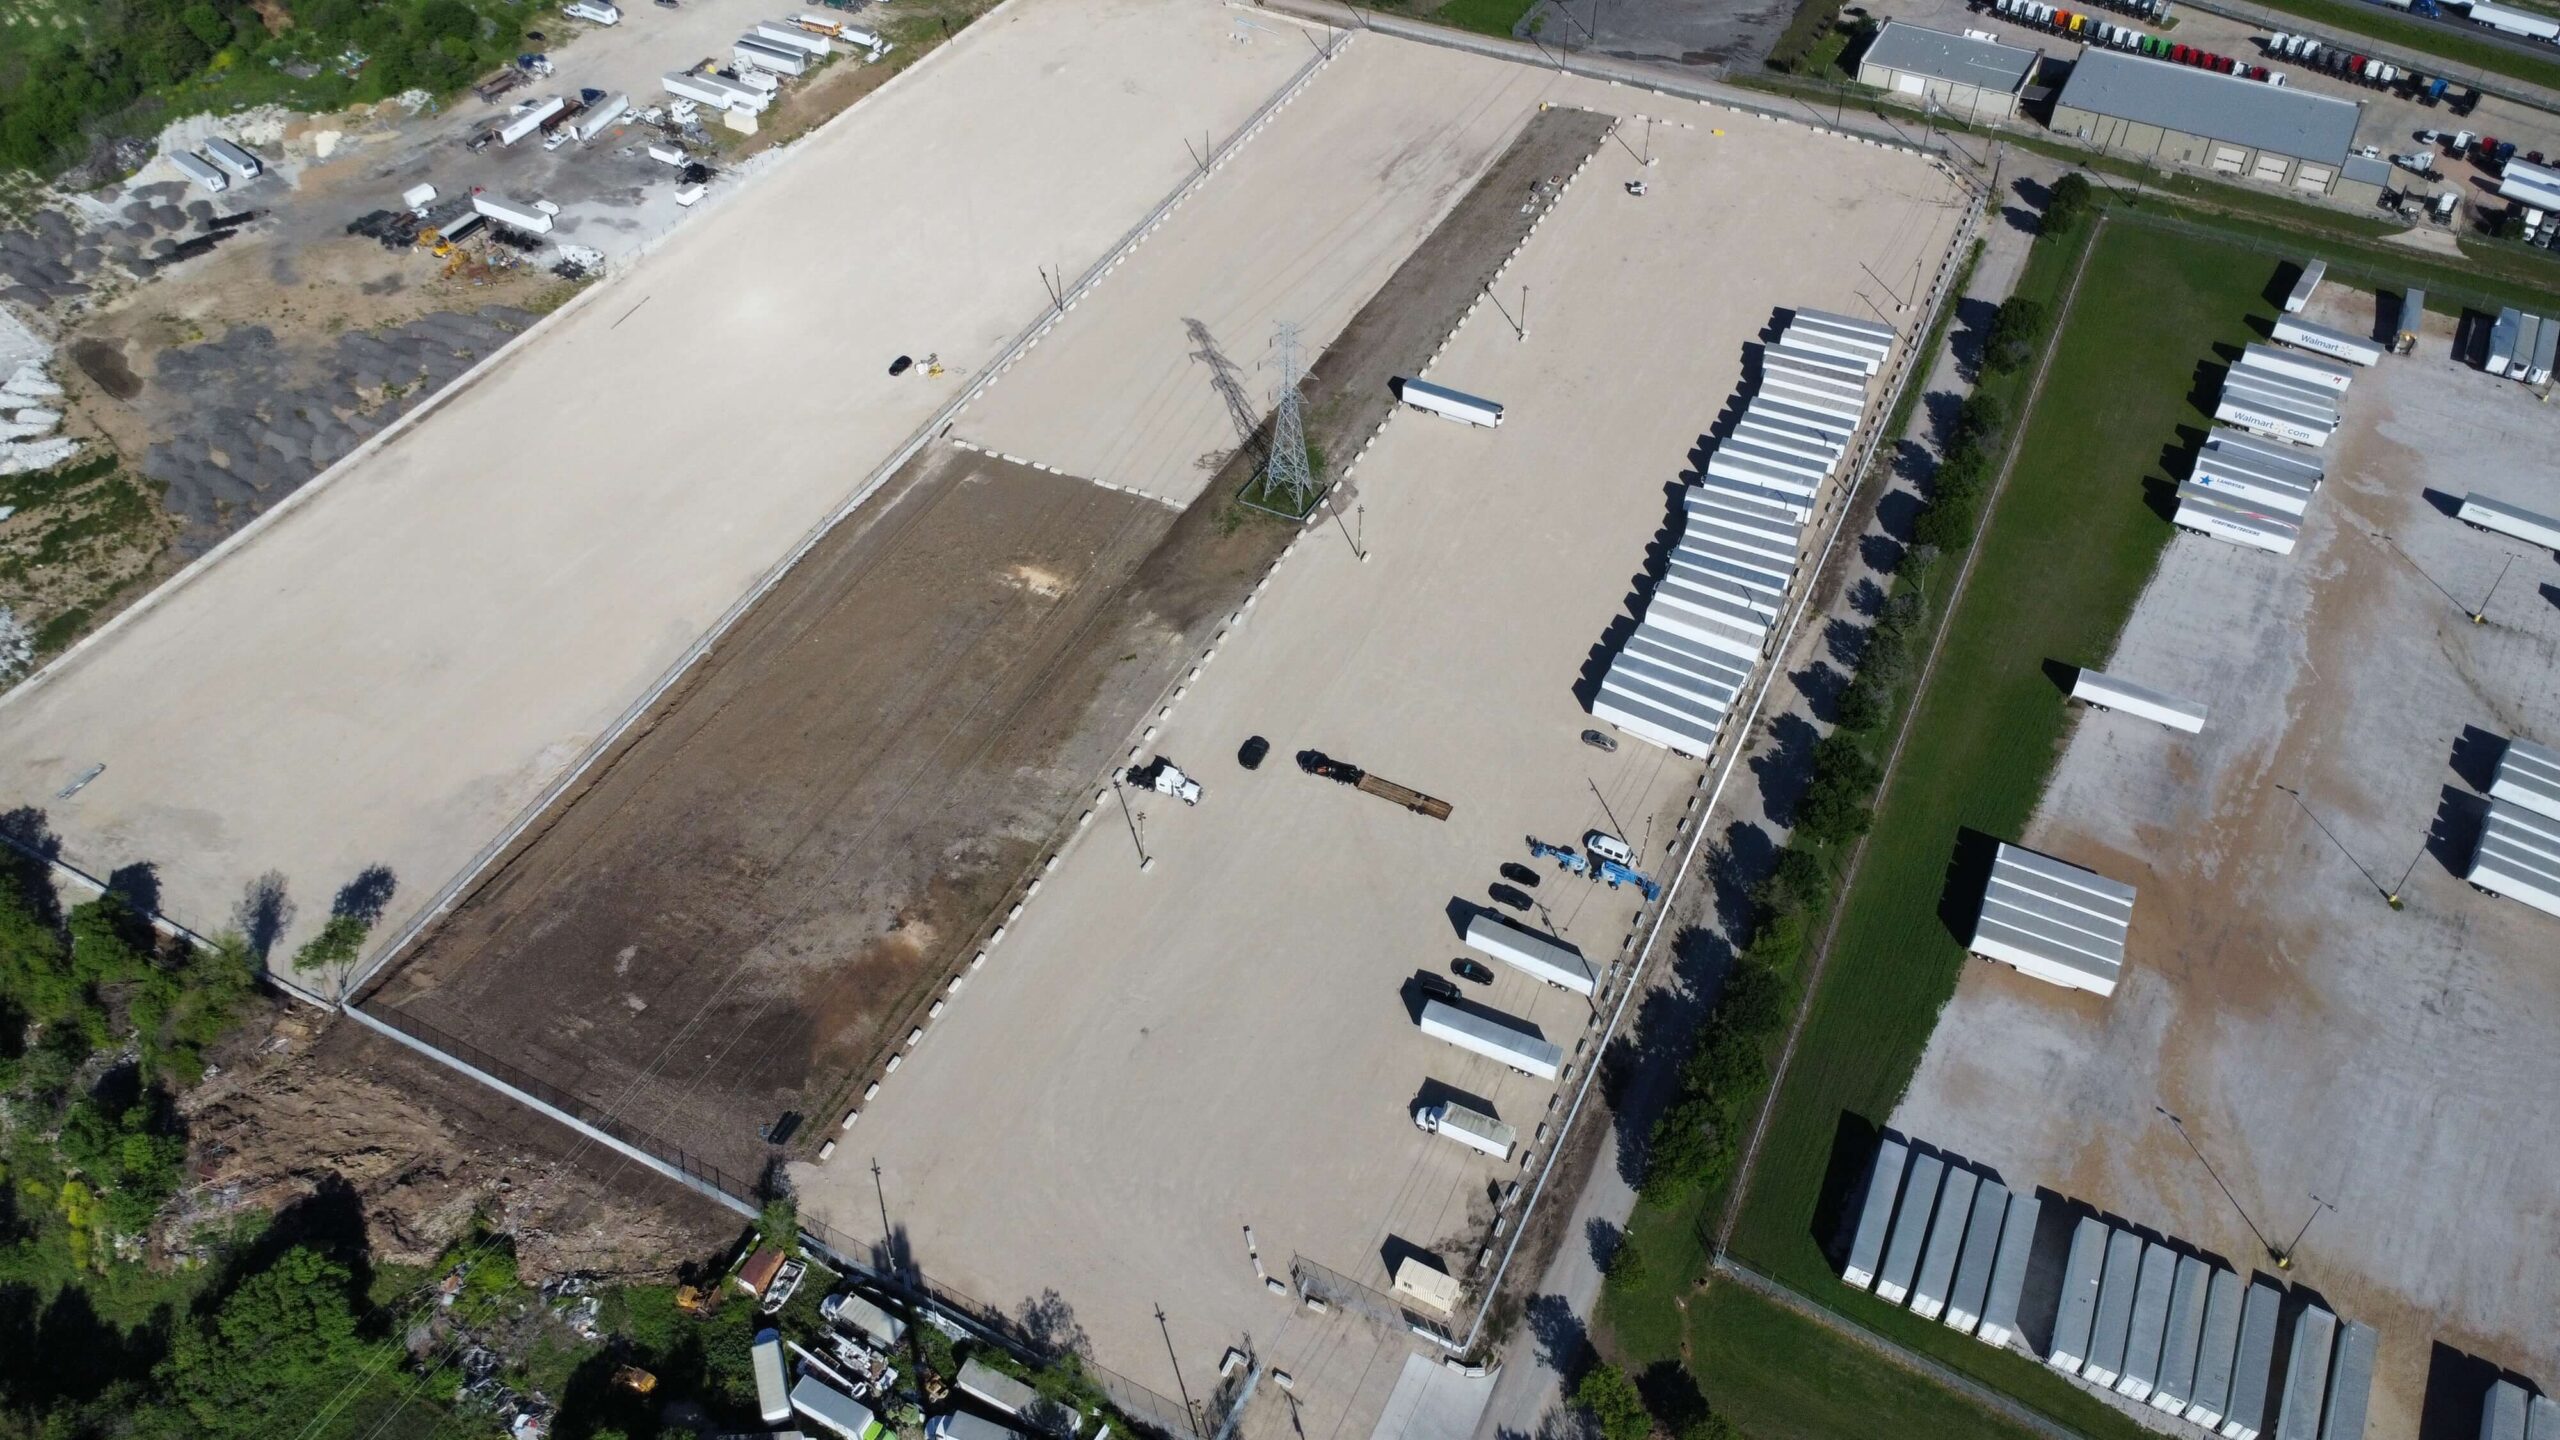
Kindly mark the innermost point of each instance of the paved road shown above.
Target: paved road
(1755, 820)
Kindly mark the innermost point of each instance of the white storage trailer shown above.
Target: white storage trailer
(2305, 395)
(2502, 339)
(2528, 338)
(1981, 1247)
(1471, 1128)
(2309, 369)
(709, 90)
(530, 121)
(1937, 1275)
(2306, 1374)
(597, 120)
(2504, 1413)
(1795, 357)
(2254, 481)
(994, 1388)
(2541, 1418)
(2077, 1315)
(2519, 856)
(1670, 691)
(773, 1383)
(2482, 512)
(1875, 1216)
(2253, 1363)
(2305, 286)
(2106, 692)
(961, 1425)
(2228, 517)
(2342, 1413)
(2149, 1335)
(2546, 352)
(196, 168)
(1848, 324)
(1910, 1228)
(2528, 775)
(1454, 404)
(2266, 414)
(2217, 1349)
(1522, 1050)
(2179, 1337)
(2118, 1282)
(1999, 1324)
(749, 52)
(2321, 340)
(532, 222)
(2054, 921)
(241, 164)
(832, 1410)
(792, 37)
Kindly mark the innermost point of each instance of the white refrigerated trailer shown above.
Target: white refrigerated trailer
(2105, 692)
(241, 164)
(2305, 286)
(1455, 404)
(195, 168)
(1522, 1050)
(2483, 513)
(2519, 856)
(532, 222)
(1875, 1216)
(2321, 340)
(2528, 775)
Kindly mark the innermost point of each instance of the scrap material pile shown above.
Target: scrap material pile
(1707, 623)
(2150, 1320)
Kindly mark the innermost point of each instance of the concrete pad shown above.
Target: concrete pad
(2316, 1042)
(401, 663)
(1226, 1037)
(1303, 224)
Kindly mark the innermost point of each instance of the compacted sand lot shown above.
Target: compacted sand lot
(392, 671)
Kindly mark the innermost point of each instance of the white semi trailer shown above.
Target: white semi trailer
(792, 37)
(2321, 340)
(241, 164)
(1875, 1216)
(1999, 1324)
(2305, 286)
(1542, 957)
(2068, 1348)
(749, 50)
(532, 222)
(1454, 404)
(530, 121)
(2519, 856)
(1522, 1050)
(2105, 692)
(2325, 373)
(1471, 1128)
(195, 168)
(2484, 513)
(2528, 775)
(595, 121)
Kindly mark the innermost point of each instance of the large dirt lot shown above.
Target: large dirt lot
(1158, 1056)
(408, 659)
(2398, 1066)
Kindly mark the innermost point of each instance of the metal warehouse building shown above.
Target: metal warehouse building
(1966, 77)
(2178, 115)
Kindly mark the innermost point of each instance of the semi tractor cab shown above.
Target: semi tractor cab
(1166, 778)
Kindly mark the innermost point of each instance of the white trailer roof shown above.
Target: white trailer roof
(1937, 1275)
(2528, 775)
(2054, 921)
(2502, 1412)
(2255, 378)
(2217, 1349)
(1850, 323)
(1543, 956)
(232, 158)
(1784, 439)
(2250, 489)
(2494, 514)
(1733, 510)
(2542, 1418)
(2342, 1412)
(2306, 1374)
(1441, 397)
(2285, 459)
(2253, 1363)
(1793, 356)
(1875, 1214)
(196, 168)
(1830, 439)
(2120, 1279)
(2318, 369)
(2305, 286)
(2225, 516)
(2519, 856)
(782, 32)
(1865, 354)
(1814, 469)
(2355, 349)
(995, 1387)
(2078, 1312)
(1492, 1038)
(2009, 1271)
(2180, 1336)
(2232, 462)
(2143, 1343)
(1981, 1248)
(1727, 464)
(1910, 1228)
(2099, 688)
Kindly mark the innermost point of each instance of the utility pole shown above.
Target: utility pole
(1189, 1411)
(1289, 472)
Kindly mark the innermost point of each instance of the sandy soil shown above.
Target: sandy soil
(1224, 1039)
(476, 603)
(2315, 1042)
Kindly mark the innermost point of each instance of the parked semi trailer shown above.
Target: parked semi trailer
(2321, 340)
(196, 168)
(1455, 404)
(2481, 512)
(1999, 1327)
(1936, 1277)
(2076, 1317)
(1522, 1050)
(2528, 775)
(241, 164)
(530, 121)
(2106, 692)
(1542, 957)
(2305, 286)
(1471, 1128)
(1910, 1229)
(1875, 1216)
(532, 222)
(1980, 1248)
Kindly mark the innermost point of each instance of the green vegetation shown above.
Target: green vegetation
(1485, 17)
(1812, 42)
(141, 62)
(1779, 1376)
(2419, 41)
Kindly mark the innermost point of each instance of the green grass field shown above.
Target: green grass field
(1485, 17)
(1779, 1376)
(2066, 554)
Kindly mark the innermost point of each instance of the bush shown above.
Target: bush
(2015, 333)
(1980, 422)
(1690, 1147)
(1626, 1263)
(1835, 807)
(1755, 997)
(1797, 883)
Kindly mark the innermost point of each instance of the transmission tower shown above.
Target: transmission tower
(1288, 480)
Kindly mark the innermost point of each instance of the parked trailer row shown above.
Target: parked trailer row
(1953, 1241)
(2507, 1412)
(2523, 347)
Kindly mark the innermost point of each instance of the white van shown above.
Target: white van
(602, 12)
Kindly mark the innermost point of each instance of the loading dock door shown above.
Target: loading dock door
(2229, 159)
(2269, 168)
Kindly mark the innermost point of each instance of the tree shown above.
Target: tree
(1626, 1263)
(334, 951)
(1613, 1400)
(278, 1352)
(1710, 1426)
(2066, 205)
(2015, 333)
(1844, 781)
(1689, 1147)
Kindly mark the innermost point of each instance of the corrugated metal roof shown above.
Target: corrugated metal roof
(2367, 170)
(1918, 50)
(2281, 118)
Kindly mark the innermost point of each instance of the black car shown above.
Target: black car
(1519, 874)
(1475, 970)
(1250, 757)
(1505, 895)
(1435, 988)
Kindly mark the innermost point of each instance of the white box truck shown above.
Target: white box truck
(195, 168)
(241, 164)
(1473, 1129)
(1455, 404)
(1522, 1050)
(532, 222)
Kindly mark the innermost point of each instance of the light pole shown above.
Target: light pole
(2318, 1205)
(1137, 836)
(2390, 897)
(2181, 1126)
(1188, 1411)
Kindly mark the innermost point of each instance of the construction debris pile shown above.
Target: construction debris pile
(1738, 539)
